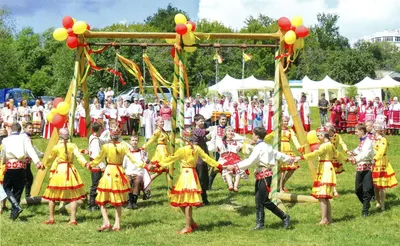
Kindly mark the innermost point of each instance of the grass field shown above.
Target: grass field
(228, 220)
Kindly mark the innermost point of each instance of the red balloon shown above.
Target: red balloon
(173, 52)
(193, 25)
(284, 24)
(302, 32)
(56, 101)
(181, 29)
(293, 28)
(58, 120)
(70, 32)
(87, 26)
(67, 22)
(72, 42)
(314, 147)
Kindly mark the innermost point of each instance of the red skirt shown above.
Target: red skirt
(351, 119)
(82, 127)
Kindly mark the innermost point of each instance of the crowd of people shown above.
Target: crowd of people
(121, 170)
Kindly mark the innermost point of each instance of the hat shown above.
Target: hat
(63, 133)
(150, 104)
(187, 135)
(141, 98)
(322, 130)
(378, 127)
(187, 100)
(255, 97)
(3, 132)
(198, 94)
(135, 99)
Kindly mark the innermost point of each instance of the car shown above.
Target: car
(46, 99)
(17, 94)
(129, 94)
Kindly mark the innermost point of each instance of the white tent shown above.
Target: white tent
(330, 87)
(385, 82)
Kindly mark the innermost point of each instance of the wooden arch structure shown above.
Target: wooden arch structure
(281, 87)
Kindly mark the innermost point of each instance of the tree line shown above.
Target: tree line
(38, 62)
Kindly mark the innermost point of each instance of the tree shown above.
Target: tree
(163, 20)
(327, 33)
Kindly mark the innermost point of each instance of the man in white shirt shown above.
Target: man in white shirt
(263, 158)
(16, 148)
(134, 111)
(206, 111)
(97, 172)
(109, 93)
(188, 114)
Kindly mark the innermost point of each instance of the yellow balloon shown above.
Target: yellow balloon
(190, 49)
(63, 108)
(79, 27)
(290, 37)
(180, 19)
(312, 137)
(189, 27)
(189, 38)
(60, 34)
(297, 21)
(74, 19)
(299, 44)
(49, 117)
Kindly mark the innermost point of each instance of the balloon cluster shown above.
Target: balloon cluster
(186, 28)
(70, 31)
(294, 32)
(58, 114)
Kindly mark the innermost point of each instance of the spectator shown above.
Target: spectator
(109, 93)
(101, 97)
(323, 109)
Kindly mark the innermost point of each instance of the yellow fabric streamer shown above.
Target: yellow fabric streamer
(133, 69)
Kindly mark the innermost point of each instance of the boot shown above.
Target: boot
(130, 201)
(134, 201)
(16, 208)
(204, 198)
(92, 205)
(366, 206)
(260, 216)
(146, 194)
(283, 216)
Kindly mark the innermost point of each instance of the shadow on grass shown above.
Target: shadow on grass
(24, 218)
(137, 224)
(344, 218)
(210, 226)
(246, 210)
(279, 225)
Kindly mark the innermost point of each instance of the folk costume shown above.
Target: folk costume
(37, 116)
(96, 172)
(200, 139)
(162, 150)
(166, 115)
(337, 140)
(383, 175)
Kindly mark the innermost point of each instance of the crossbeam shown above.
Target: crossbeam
(216, 45)
(170, 35)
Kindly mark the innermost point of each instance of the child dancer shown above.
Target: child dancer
(113, 186)
(3, 134)
(323, 187)
(287, 135)
(139, 178)
(96, 172)
(383, 175)
(65, 184)
(263, 157)
(336, 140)
(228, 149)
(186, 192)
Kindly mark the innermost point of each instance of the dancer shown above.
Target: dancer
(37, 116)
(383, 175)
(3, 134)
(113, 186)
(96, 172)
(264, 157)
(337, 140)
(186, 192)
(325, 181)
(65, 184)
(362, 157)
(286, 135)
(162, 139)
(228, 149)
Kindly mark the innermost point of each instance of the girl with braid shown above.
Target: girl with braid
(65, 183)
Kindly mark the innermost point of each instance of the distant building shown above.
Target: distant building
(392, 36)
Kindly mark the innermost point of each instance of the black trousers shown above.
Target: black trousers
(202, 172)
(14, 183)
(29, 180)
(364, 188)
(262, 193)
(134, 126)
(96, 176)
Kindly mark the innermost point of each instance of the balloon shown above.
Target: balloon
(299, 44)
(189, 38)
(193, 25)
(181, 29)
(53, 111)
(70, 32)
(297, 21)
(284, 24)
(72, 42)
(87, 26)
(190, 49)
(58, 120)
(56, 101)
(67, 22)
(312, 137)
(49, 117)
(74, 19)
(302, 31)
(314, 147)
(290, 37)
(173, 52)
(60, 34)
(63, 108)
(79, 27)
(189, 27)
(293, 28)
(290, 48)
(180, 19)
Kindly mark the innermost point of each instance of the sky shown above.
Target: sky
(358, 18)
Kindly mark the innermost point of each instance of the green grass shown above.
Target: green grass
(227, 221)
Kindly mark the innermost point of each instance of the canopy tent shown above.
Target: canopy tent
(330, 87)
(385, 82)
